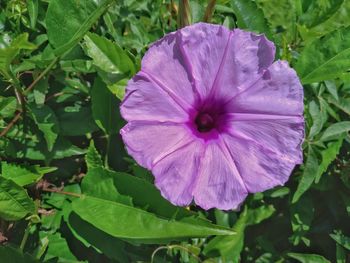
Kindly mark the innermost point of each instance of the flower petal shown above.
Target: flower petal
(175, 174)
(281, 134)
(145, 100)
(149, 142)
(204, 45)
(260, 168)
(278, 92)
(164, 63)
(219, 183)
(247, 56)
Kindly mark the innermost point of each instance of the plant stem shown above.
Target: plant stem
(209, 11)
(184, 15)
(61, 192)
(25, 237)
(108, 145)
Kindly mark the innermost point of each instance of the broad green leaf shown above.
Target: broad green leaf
(9, 53)
(230, 247)
(58, 249)
(118, 88)
(14, 201)
(144, 194)
(47, 122)
(328, 156)
(308, 258)
(341, 239)
(105, 108)
(24, 175)
(108, 56)
(308, 176)
(11, 254)
(335, 130)
(69, 126)
(98, 183)
(68, 21)
(102, 242)
(128, 222)
(8, 106)
(93, 158)
(250, 16)
(325, 58)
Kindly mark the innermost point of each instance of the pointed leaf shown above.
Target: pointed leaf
(325, 58)
(47, 122)
(14, 201)
(68, 21)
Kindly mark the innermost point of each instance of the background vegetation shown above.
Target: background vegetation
(70, 193)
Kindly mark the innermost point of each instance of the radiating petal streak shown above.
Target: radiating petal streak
(176, 98)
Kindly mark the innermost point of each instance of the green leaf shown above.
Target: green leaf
(8, 106)
(340, 254)
(98, 183)
(274, 11)
(108, 56)
(319, 117)
(128, 222)
(93, 158)
(14, 201)
(328, 156)
(308, 258)
(250, 16)
(9, 53)
(342, 240)
(68, 21)
(24, 175)
(41, 88)
(302, 214)
(47, 122)
(339, 19)
(69, 126)
(332, 89)
(38, 151)
(343, 104)
(102, 242)
(33, 6)
(145, 194)
(308, 176)
(335, 130)
(230, 247)
(325, 58)
(105, 108)
(58, 249)
(11, 254)
(118, 88)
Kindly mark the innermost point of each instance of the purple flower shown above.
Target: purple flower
(213, 116)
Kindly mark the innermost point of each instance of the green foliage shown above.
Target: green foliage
(325, 58)
(14, 201)
(70, 193)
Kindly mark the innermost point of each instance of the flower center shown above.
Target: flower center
(205, 122)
